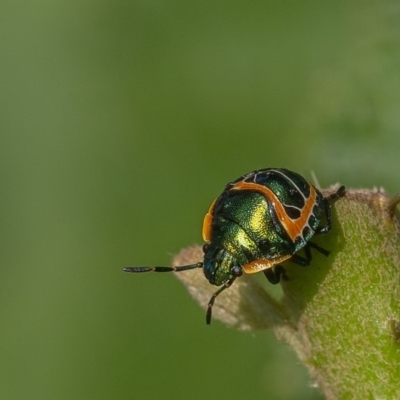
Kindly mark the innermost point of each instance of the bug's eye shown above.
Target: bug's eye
(206, 246)
(236, 271)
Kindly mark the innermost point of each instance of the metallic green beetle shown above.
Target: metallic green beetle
(260, 220)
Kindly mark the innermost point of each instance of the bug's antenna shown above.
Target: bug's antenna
(213, 297)
(163, 269)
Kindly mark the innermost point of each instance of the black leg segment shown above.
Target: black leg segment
(328, 209)
(275, 274)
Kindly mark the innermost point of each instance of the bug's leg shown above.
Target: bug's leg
(275, 274)
(213, 297)
(305, 261)
(316, 247)
(328, 209)
(162, 269)
(302, 261)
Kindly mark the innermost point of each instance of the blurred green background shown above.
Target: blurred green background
(120, 122)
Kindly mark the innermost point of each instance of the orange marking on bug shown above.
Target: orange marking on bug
(207, 223)
(260, 265)
(293, 227)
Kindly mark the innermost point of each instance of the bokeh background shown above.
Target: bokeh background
(120, 122)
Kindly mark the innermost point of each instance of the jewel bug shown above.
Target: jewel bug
(260, 220)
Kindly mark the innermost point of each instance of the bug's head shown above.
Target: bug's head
(219, 265)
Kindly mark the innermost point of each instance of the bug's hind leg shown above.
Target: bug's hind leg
(302, 261)
(275, 274)
(316, 247)
(305, 261)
